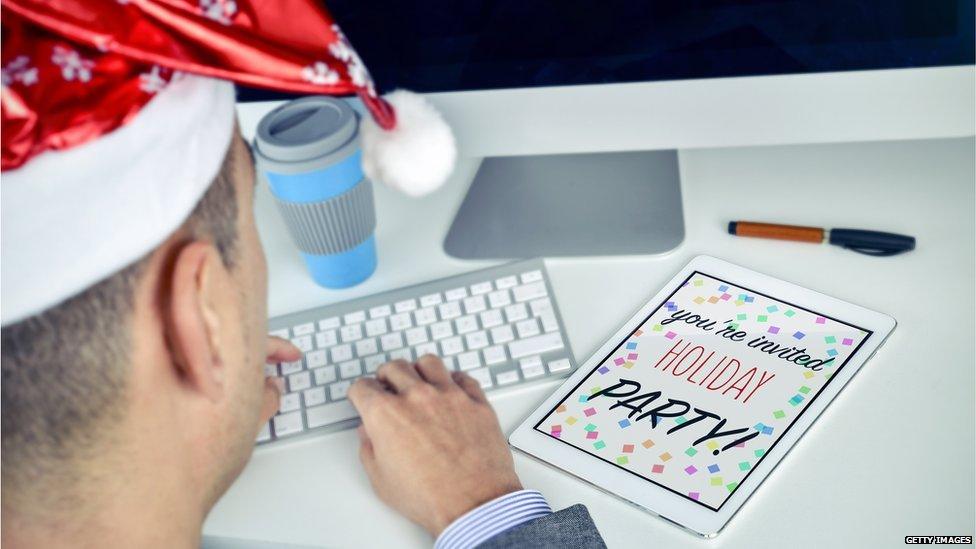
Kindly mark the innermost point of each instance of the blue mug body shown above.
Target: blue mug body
(313, 164)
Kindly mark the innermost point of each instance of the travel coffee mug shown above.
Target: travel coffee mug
(308, 150)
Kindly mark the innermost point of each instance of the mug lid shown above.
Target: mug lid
(306, 128)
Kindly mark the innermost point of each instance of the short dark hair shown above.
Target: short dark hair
(65, 369)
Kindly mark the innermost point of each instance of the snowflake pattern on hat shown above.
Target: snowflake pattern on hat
(113, 73)
(20, 71)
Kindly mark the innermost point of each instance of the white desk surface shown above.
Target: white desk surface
(892, 456)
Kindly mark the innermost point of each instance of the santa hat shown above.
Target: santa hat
(117, 116)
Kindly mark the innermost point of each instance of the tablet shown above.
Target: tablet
(689, 406)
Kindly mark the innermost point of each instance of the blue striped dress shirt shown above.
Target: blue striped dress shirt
(498, 515)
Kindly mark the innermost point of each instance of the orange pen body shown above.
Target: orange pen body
(780, 232)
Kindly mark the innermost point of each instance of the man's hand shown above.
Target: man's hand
(430, 442)
(279, 350)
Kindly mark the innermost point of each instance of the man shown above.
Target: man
(134, 327)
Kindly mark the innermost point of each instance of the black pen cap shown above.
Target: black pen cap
(872, 242)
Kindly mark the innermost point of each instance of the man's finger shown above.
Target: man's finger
(366, 451)
(270, 398)
(432, 369)
(399, 375)
(364, 394)
(367, 455)
(470, 386)
(282, 350)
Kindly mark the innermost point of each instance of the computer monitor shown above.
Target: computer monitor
(579, 107)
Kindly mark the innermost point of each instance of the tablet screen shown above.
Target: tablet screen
(707, 384)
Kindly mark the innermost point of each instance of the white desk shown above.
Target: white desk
(892, 456)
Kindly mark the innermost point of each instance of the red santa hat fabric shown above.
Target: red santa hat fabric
(116, 116)
(75, 70)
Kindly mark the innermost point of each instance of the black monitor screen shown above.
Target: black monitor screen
(475, 44)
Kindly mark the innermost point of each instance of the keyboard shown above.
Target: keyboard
(500, 325)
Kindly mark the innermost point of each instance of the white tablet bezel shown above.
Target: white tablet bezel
(658, 500)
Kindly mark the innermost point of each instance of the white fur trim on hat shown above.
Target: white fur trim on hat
(417, 155)
(72, 218)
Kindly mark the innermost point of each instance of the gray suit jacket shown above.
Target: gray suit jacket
(570, 528)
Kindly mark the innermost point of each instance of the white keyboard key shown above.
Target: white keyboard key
(265, 433)
(474, 304)
(375, 327)
(506, 282)
(425, 349)
(406, 305)
(527, 328)
(330, 413)
(507, 378)
(466, 324)
(441, 330)
(481, 288)
(391, 341)
(491, 318)
(341, 353)
(425, 316)
(559, 365)
(329, 323)
(314, 396)
(531, 276)
(282, 333)
(402, 354)
(535, 370)
(517, 312)
(528, 292)
(324, 375)
(400, 322)
(350, 368)
(430, 300)
(540, 306)
(468, 361)
(355, 318)
(502, 334)
(549, 323)
(449, 363)
(314, 359)
(351, 333)
(451, 346)
(299, 381)
(288, 368)
(304, 343)
(494, 355)
(449, 310)
(482, 376)
(416, 336)
(289, 402)
(456, 294)
(530, 361)
(366, 347)
(374, 362)
(380, 312)
(288, 424)
(477, 340)
(270, 370)
(326, 339)
(535, 345)
(499, 299)
(339, 390)
(304, 329)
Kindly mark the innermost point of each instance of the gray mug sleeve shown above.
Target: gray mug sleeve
(334, 225)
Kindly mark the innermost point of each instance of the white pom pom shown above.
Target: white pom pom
(417, 155)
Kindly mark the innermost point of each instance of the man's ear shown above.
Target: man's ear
(193, 325)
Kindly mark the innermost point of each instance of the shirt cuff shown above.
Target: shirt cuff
(487, 521)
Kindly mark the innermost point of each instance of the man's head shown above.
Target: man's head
(151, 372)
